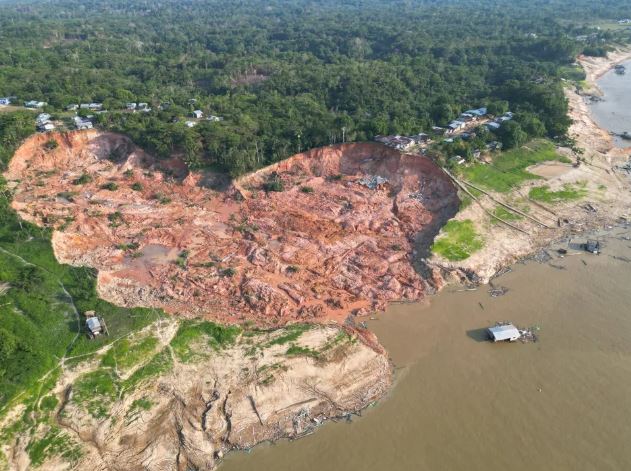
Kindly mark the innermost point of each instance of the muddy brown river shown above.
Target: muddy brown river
(462, 403)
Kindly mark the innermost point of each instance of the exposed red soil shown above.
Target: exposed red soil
(322, 248)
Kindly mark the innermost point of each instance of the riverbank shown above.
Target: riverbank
(591, 194)
(190, 403)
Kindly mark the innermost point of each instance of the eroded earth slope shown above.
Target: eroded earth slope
(339, 238)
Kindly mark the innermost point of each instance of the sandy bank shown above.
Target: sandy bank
(204, 402)
(606, 190)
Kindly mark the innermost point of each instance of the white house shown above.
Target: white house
(35, 104)
(131, 106)
(72, 107)
(493, 126)
(5, 101)
(190, 124)
(199, 114)
(45, 127)
(43, 118)
(82, 123)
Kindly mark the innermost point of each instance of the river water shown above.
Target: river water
(614, 113)
(462, 403)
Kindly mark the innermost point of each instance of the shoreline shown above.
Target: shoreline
(607, 192)
(504, 248)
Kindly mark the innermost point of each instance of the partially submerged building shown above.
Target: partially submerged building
(504, 333)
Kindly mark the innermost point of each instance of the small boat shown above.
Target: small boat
(620, 69)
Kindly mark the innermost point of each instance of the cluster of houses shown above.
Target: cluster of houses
(403, 142)
(465, 119)
(144, 107)
(464, 128)
(199, 114)
(85, 106)
(457, 127)
(34, 104)
(43, 123)
(82, 123)
(625, 21)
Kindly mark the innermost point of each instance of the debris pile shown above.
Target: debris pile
(373, 181)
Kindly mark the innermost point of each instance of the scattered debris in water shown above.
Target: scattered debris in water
(542, 256)
(481, 306)
(373, 181)
(558, 267)
(503, 271)
(584, 262)
(562, 251)
(497, 291)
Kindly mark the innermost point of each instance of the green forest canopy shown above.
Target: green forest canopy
(293, 74)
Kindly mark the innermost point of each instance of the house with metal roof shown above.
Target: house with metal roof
(504, 333)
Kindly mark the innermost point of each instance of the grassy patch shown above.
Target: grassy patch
(293, 332)
(54, 443)
(508, 169)
(161, 363)
(125, 354)
(458, 242)
(503, 213)
(190, 333)
(95, 391)
(141, 404)
(299, 351)
(82, 180)
(567, 193)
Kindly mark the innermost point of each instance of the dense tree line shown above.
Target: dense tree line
(287, 75)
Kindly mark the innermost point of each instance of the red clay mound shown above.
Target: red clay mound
(338, 238)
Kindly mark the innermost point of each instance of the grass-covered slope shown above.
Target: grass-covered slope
(42, 301)
(508, 169)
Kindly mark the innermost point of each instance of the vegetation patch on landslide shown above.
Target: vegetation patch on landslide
(567, 193)
(125, 354)
(458, 241)
(504, 214)
(508, 169)
(191, 333)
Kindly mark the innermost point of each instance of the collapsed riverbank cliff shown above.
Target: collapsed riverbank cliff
(338, 238)
(290, 253)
